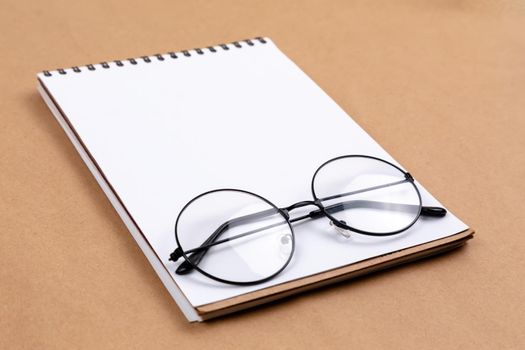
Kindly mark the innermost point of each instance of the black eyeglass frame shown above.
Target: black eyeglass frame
(188, 265)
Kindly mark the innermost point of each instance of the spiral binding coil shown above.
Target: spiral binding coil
(160, 57)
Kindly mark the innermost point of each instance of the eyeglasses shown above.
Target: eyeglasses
(238, 237)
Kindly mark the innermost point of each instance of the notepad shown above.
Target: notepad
(158, 130)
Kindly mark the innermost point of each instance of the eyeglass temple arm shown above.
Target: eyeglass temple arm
(198, 253)
(425, 210)
(196, 257)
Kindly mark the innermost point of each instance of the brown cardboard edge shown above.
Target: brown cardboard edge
(272, 293)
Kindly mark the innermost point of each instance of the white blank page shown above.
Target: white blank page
(248, 118)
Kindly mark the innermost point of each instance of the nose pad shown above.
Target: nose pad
(342, 231)
(285, 245)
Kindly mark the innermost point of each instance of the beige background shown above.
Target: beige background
(440, 84)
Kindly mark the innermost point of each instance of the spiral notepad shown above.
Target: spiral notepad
(157, 57)
(158, 130)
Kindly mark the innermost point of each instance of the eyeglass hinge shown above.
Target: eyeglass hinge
(409, 177)
(177, 253)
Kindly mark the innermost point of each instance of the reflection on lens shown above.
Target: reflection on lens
(367, 194)
(235, 236)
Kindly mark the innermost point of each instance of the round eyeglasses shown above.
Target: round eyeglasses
(238, 237)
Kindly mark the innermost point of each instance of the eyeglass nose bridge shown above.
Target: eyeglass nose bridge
(301, 204)
(340, 226)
